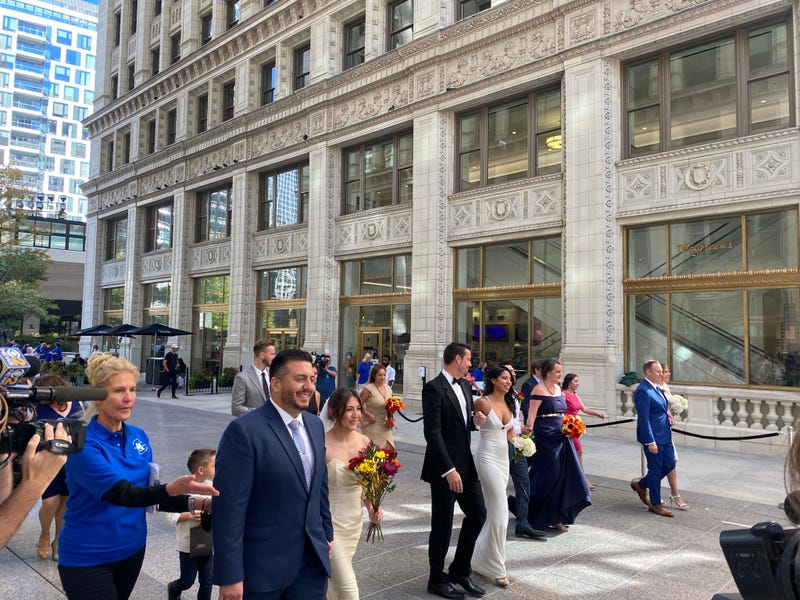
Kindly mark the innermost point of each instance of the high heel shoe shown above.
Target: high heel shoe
(502, 582)
(678, 502)
(561, 527)
(43, 545)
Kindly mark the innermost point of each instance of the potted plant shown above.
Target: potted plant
(76, 372)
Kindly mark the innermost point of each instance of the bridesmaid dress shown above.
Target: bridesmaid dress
(344, 493)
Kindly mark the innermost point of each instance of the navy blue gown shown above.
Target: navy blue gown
(558, 486)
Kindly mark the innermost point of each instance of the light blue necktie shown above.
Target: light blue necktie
(294, 425)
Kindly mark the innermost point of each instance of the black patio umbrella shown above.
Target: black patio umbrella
(93, 330)
(159, 329)
(121, 330)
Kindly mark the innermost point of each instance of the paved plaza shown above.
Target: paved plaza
(615, 550)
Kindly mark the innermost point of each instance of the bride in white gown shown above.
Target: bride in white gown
(491, 460)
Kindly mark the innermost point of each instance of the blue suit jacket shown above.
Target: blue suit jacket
(652, 408)
(264, 516)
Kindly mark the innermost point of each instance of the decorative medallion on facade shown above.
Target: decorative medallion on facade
(156, 265)
(641, 11)
(112, 272)
(375, 231)
(638, 186)
(701, 175)
(285, 244)
(215, 256)
(769, 165)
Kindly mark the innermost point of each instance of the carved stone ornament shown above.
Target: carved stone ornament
(701, 175)
(112, 272)
(283, 244)
(772, 164)
(208, 257)
(371, 104)
(641, 11)
(582, 27)
(375, 230)
(279, 137)
(156, 265)
(501, 56)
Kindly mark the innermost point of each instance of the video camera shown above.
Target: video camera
(320, 360)
(18, 404)
(764, 562)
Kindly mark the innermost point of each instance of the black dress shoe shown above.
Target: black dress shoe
(445, 590)
(512, 505)
(529, 532)
(469, 586)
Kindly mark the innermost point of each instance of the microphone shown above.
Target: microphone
(62, 393)
(13, 365)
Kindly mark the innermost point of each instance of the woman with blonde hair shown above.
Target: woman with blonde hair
(102, 541)
(373, 408)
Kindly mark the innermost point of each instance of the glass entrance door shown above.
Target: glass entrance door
(283, 340)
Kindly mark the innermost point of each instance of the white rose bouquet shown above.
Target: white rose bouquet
(523, 446)
(678, 404)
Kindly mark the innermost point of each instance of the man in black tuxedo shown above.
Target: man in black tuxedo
(450, 471)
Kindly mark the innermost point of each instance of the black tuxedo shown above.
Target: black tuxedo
(447, 434)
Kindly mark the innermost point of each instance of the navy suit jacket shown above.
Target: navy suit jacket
(652, 408)
(264, 517)
(446, 432)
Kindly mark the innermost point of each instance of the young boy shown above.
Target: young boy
(201, 464)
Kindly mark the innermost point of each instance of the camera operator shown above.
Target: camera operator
(38, 470)
(326, 378)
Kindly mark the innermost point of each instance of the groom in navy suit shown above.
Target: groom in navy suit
(272, 530)
(654, 433)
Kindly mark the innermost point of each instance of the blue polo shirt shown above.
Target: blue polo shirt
(96, 532)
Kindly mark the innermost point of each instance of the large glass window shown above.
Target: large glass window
(717, 298)
(381, 275)
(213, 214)
(511, 140)
(467, 8)
(228, 100)
(284, 197)
(379, 174)
(281, 306)
(508, 303)
(401, 23)
(159, 227)
(354, 42)
(302, 67)
(202, 113)
(268, 82)
(113, 305)
(211, 297)
(116, 237)
(704, 93)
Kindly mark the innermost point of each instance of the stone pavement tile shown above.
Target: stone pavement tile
(17, 580)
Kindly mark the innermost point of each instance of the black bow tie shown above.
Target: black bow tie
(457, 381)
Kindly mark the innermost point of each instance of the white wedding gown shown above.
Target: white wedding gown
(491, 461)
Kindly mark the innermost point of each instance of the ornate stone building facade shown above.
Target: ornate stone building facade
(603, 181)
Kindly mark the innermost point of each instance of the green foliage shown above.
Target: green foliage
(226, 377)
(199, 379)
(21, 269)
(75, 369)
(629, 378)
(56, 367)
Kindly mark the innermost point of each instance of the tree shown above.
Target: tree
(21, 269)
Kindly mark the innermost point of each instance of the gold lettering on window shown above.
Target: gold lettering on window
(697, 249)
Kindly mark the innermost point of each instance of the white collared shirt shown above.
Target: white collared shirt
(459, 391)
(287, 418)
(265, 372)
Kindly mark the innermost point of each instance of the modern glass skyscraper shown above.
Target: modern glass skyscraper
(47, 65)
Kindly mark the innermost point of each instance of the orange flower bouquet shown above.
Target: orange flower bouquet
(393, 404)
(572, 426)
(375, 469)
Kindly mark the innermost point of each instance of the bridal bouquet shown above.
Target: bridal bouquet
(523, 446)
(375, 469)
(678, 404)
(572, 426)
(393, 404)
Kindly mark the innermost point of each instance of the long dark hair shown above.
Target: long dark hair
(567, 380)
(488, 386)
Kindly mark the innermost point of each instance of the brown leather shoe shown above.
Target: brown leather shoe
(636, 487)
(659, 510)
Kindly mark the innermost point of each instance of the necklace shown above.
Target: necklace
(549, 391)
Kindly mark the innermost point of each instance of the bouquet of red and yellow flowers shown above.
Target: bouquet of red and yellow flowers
(393, 404)
(572, 426)
(375, 469)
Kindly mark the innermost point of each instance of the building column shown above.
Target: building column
(322, 298)
(131, 348)
(242, 303)
(92, 304)
(432, 276)
(592, 341)
(181, 293)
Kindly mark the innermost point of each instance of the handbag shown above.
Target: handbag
(199, 542)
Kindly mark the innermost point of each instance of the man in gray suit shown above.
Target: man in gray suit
(251, 385)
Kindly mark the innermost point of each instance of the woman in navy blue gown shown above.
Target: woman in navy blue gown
(558, 486)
